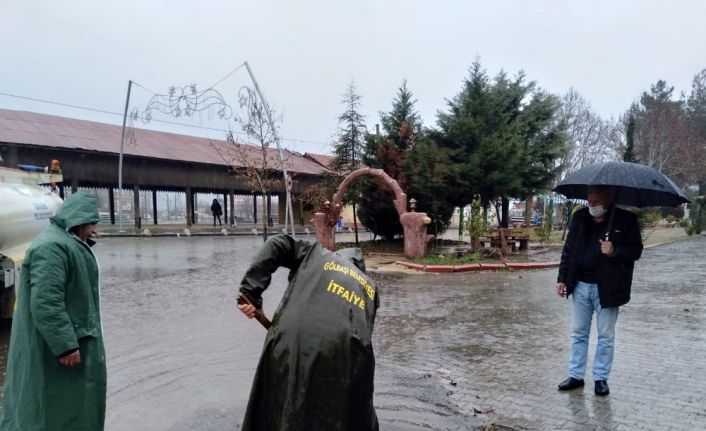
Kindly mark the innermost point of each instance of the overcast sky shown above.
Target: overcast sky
(305, 52)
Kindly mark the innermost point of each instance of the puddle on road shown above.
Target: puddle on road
(180, 358)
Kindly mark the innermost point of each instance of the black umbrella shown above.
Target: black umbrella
(634, 185)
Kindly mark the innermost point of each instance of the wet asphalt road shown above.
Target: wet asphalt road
(454, 351)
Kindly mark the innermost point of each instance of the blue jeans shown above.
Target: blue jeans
(585, 302)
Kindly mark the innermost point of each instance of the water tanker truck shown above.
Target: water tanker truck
(25, 210)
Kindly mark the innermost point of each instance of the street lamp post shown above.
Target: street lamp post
(288, 203)
(120, 160)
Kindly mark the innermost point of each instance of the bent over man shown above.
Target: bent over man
(596, 269)
(317, 366)
(56, 374)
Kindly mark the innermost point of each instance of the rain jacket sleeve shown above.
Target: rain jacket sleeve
(280, 250)
(49, 273)
(568, 247)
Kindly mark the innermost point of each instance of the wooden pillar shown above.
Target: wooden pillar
(269, 210)
(111, 205)
(189, 207)
(232, 208)
(282, 208)
(301, 212)
(254, 208)
(154, 206)
(136, 206)
(194, 206)
(225, 207)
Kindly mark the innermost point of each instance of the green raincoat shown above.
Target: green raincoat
(58, 310)
(317, 366)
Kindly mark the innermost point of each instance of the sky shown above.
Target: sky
(305, 53)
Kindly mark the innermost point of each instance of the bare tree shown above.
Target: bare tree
(664, 137)
(256, 163)
(696, 114)
(591, 138)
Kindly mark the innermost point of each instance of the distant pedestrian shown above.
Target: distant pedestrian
(56, 372)
(596, 268)
(339, 225)
(217, 212)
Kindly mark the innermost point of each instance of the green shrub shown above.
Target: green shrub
(652, 217)
(475, 225)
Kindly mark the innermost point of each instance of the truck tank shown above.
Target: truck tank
(25, 210)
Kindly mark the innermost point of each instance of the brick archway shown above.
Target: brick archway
(413, 223)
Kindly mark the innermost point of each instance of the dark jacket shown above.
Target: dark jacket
(614, 272)
(216, 209)
(317, 366)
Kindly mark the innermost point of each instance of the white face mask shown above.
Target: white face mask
(597, 211)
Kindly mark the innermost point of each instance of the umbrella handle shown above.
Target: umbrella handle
(610, 222)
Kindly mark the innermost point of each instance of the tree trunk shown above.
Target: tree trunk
(355, 225)
(266, 218)
(460, 222)
(528, 211)
(506, 212)
(501, 229)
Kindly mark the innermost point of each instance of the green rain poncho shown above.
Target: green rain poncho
(58, 310)
(317, 366)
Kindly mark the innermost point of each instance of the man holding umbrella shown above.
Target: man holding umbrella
(596, 268)
(600, 253)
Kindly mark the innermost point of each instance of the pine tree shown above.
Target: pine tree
(401, 127)
(349, 146)
(629, 155)
(502, 137)
(351, 134)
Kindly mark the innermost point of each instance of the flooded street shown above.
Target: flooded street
(454, 351)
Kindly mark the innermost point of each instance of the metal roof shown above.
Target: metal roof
(321, 159)
(22, 127)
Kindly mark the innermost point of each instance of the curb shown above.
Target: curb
(183, 235)
(686, 238)
(469, 267)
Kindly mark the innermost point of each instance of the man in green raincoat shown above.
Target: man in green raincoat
(317, 366)
(56, 374)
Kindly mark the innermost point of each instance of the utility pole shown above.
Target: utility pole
(288, 203)
(120, 161)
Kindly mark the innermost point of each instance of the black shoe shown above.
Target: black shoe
(570, 383)
(602, 388)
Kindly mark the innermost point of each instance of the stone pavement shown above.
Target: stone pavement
(487, 350)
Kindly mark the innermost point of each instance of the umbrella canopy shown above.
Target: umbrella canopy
(634, 185)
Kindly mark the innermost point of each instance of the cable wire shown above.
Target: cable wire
(227, 76)
(102, 111)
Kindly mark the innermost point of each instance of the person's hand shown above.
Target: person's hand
(248, 310)
(607, 247)
(561, 289)
(71, 360)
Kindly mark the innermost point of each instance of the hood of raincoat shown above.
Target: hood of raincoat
(354, 255)
(79, 208)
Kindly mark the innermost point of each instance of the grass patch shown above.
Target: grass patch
(378, 246)
(395, 246)
(476, 257)
(440, 253)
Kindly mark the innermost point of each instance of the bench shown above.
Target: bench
(512, 239)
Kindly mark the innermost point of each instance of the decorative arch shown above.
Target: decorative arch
(413, 223)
